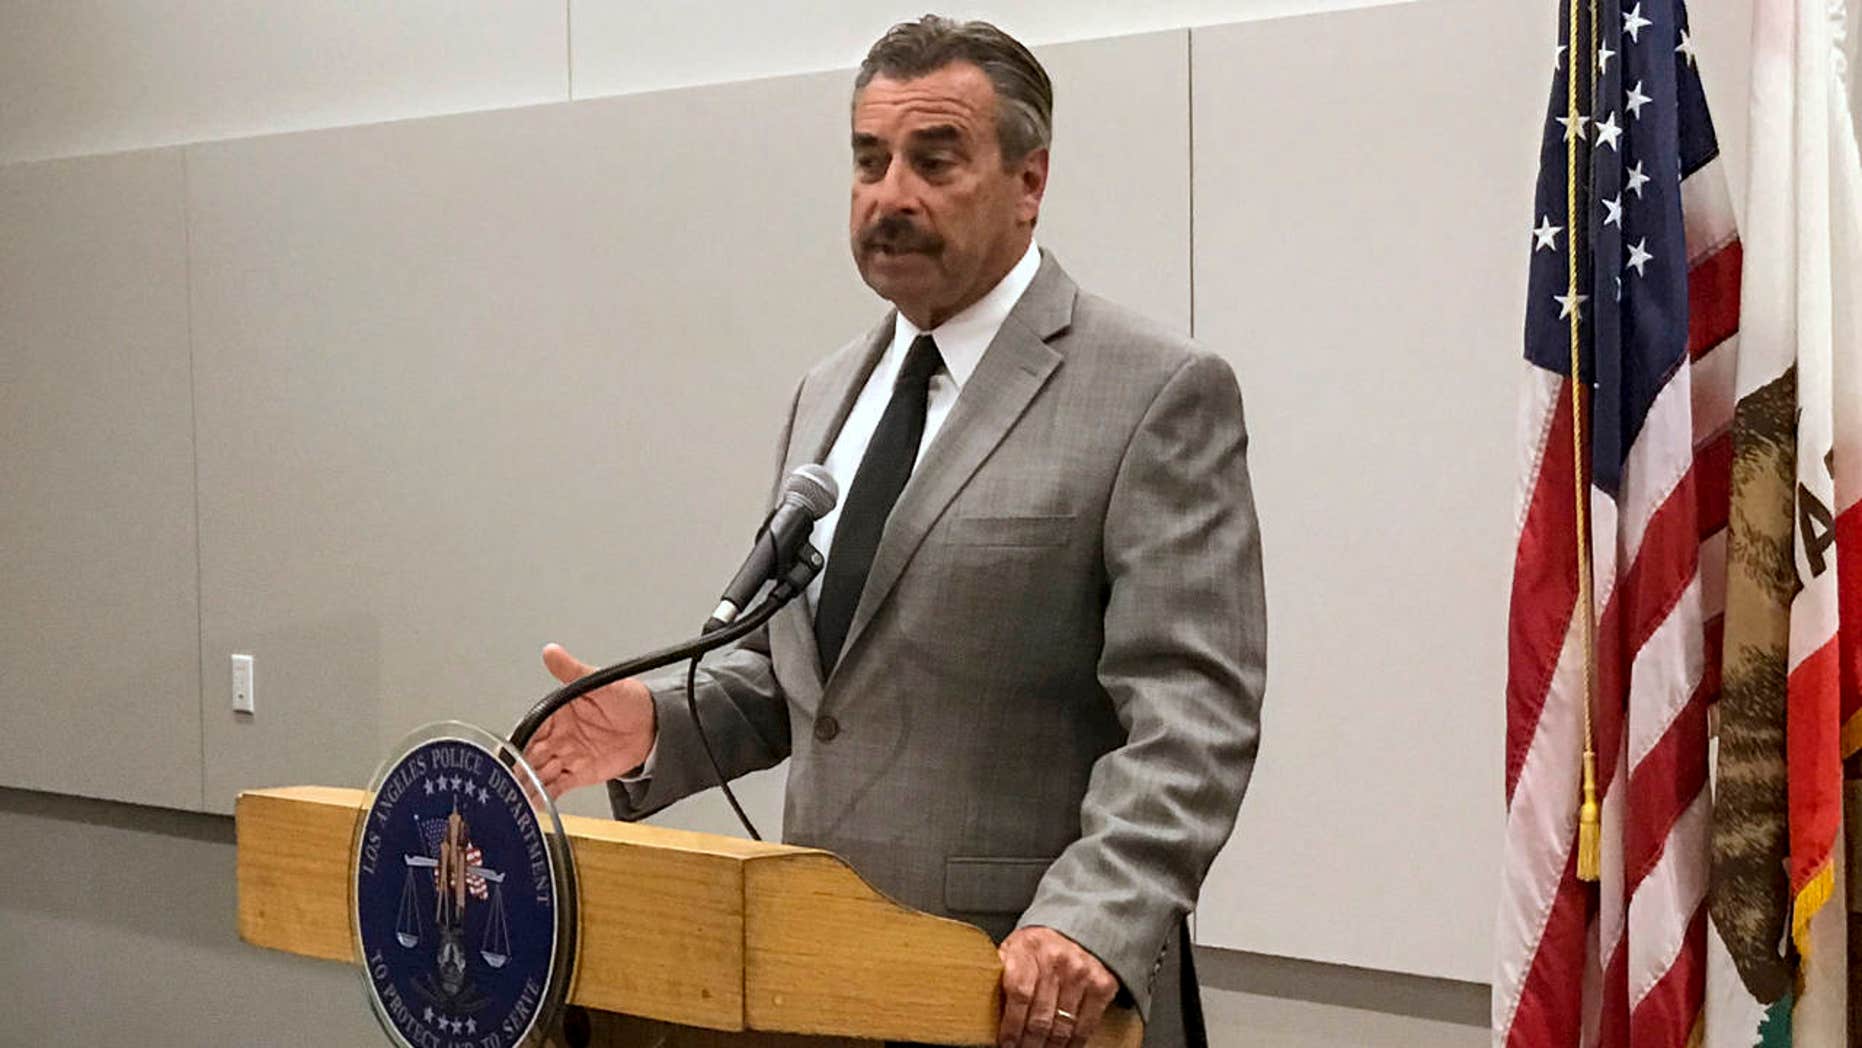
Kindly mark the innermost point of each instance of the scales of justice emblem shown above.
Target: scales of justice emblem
(464, 895)
(458, 877)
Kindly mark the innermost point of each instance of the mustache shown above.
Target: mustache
(897, 233)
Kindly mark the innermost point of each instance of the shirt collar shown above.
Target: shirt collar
(962, 339)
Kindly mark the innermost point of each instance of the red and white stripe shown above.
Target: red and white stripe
(1620, 964)
(475, 883)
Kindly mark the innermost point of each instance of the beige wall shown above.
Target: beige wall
(100, 76)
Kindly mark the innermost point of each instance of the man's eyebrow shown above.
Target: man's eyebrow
(937, 134)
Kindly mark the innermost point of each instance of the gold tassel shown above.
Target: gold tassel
(1590, 824)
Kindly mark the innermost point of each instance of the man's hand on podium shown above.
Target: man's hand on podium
(597, 737)
(1054, 992)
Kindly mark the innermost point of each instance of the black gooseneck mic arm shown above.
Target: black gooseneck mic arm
(803, 571)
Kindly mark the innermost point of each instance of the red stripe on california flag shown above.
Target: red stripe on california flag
(1552, 996)
(1544, 593)
(1713, 299)
(1849, 609)
(1666, 1014)
(1813, 758)
(1671, 776)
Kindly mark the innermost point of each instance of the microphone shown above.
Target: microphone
(807, 495)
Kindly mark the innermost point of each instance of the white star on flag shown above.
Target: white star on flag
(1637, 179)
(1608, 132)
(1613, 212)
(1687, 48)
(1639, 256)
(1558, 60)
(1573, 128)
(1634, 24)
(1546, 234)
(1604, 54)
(1636, 101)
(1569, 304)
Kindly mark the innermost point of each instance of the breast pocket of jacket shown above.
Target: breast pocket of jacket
(992, 582)
(1010, 532)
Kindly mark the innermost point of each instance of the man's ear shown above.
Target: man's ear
(1032, 175)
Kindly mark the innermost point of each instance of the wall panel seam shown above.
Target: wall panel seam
(200, 597)
(1189, 90)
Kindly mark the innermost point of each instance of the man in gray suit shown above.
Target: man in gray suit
(1025, 690)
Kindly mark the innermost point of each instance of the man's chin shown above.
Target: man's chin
(894, 276)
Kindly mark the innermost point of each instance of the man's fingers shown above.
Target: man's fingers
(1100, 991)
(541, 751)
(1041, 1009)
(1019, 975)
(1070, 1000)
(558, 781)
(562, 665)
(550, 770)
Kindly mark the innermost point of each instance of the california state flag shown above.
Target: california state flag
(1798, 455)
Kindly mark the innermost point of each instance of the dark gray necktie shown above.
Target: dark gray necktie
(884, 469)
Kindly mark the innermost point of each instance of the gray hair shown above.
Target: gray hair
(1025, 96)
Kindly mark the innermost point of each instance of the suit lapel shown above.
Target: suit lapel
(822, 411)
(819, 415)
(1016, 365)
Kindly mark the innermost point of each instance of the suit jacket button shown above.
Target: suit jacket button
(826, 728)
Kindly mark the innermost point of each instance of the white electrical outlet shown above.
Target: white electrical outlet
(242, 684)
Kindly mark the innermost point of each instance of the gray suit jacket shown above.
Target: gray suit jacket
(1048, 704)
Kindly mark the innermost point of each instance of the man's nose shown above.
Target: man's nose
(896, 192)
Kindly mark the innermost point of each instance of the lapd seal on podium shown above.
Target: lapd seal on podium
(463, 908)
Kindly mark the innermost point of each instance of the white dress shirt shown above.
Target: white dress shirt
(961, 341)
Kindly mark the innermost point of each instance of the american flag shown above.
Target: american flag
(475, 884)
(433, 834)
(1649, 263)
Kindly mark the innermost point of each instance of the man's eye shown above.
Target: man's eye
(870, 163)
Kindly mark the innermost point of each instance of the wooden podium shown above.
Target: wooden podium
(685, 939)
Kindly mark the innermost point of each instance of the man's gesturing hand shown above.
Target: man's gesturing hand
(1045, 973)
(597, 737)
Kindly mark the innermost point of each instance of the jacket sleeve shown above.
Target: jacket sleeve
(1184, 663)
(744, 710)
(746, 718)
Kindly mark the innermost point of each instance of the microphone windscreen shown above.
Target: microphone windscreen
(814, 488)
